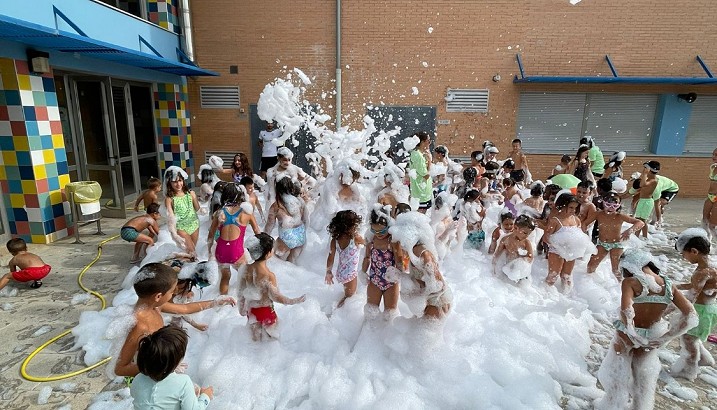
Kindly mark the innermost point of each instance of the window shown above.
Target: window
(133, 7)
(219, 96)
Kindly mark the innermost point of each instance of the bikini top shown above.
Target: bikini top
(645, 297)
(231, 219)
(713, 172)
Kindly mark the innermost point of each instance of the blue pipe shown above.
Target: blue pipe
(617, 80)
(704, 67)
(612, 67)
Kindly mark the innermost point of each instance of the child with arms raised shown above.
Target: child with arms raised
(258, 289)
(517, 249)
(158, 386)
(382, 262)
(345, 238)
(132, 231)
(694, 246)
(182, 206)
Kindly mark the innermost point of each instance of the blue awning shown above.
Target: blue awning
(49, 38)
(615, 78)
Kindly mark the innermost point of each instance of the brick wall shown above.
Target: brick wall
(385, 46)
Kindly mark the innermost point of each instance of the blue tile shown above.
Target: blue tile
(24, 158)
(12, 172)
(60, 154)
(32, 127)
(20, 214)
(12, 97)
(48, 84)
(51, 99)
(47, 214)
(53, 183)
(26, 172)
(173, 131)
(46, 141)
(15, 186)
(49, 226)
(62, 168)
(6, 143)
(57, 210)
(29, 113)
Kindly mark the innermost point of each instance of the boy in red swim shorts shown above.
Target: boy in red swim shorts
(24, 266)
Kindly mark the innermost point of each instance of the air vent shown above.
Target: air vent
(219, 96)
(465, 100)
(226, 156)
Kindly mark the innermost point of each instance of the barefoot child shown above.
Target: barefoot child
(611, 236)
(258, 290)
(24, 266)
(132, 231)
(208, 179)
(695, 248)
(346, 240)
(588, 210)
(182, 207)
(507, 223)
(230, 222)
(382, 263)
(290, 211)
(158, 385)
(154, 285)
(536, 203)
(248, 185)
(473, 211)
(632, 366)
(709, 209)
(648, 183)
(149, 195)
(517, 250)
(190, 273)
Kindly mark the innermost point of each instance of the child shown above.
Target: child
(446, 229)
(24, 266)
(476, 163)
(473, 211)
(648, 184)
(611, 234)
(512, 195)
(154, 285)
(581, 164)
(587, 208)
(517, 249)
(566, 241)
(563, 167)
(290, 211)
(709, 209)
(149, 195)
(182, 209)
(632, 366)
(343, 230)
(260, 283)
(382, 263)
(230, 223)
(209, 179)
(520, 170)
(507, 223)
(132, 231)
(158, 385)
(535, 203)
(248, 185)
(613, 169)
(694, 246)
(551, 192)
(190, 273)
(285, 169)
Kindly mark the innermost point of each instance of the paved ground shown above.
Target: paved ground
(32, 317)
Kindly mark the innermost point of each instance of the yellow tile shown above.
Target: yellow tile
(58, 141)
(29, 187)
(21, 143)
(40, 171)
(174, 139)
(64, 180)
(24, 82)
(38, 238)
(164, 122)
(17, 200)
(3, 174)
(55, 197)
(49, 156)
(9, 158)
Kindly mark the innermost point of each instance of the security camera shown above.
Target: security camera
(690, 98)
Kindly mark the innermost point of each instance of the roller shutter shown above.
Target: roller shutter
(550, 122)
(621, 122)
(702, 128)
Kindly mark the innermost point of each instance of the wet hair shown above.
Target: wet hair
(551, 190)
(471, 195)
(505, 216)
(152, 208)
(153, 183)
(586, 141)
(524, 221)
(159, 279)
(159, 353)
(612, 197)
(627, 274)
(477, 155)
(441, 149)
(232, 194)
(487, 144)
(508, 182)
(217, 195)
(586, 185)
(518, 141)
(537, 190)
(266, 243)
(170, 192)
(206, 176)
(581, 150)
(246, 181)
(284, 186)
(491, 166)
(509, 163)
(565, 158)
(635, 184)
(422, 136)
(344, 223)
(564, 200)
(378, 218)
(698, 243)
(245, 168)
(469, 175)
(16, 245)
(604, 185)
(402, 208)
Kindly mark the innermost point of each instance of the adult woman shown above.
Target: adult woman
(595, 156)
(709, 210)
(420, 163)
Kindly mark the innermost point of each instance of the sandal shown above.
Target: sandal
(36, 284)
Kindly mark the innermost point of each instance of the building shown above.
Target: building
(546, 71)
(90, 90)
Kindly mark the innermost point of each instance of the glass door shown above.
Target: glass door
(94, 107)
(144, 133)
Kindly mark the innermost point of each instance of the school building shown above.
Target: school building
(89, 90)
(546, 71)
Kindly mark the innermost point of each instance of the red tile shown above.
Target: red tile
(22, 68)
(175, 148)
(4, 116)
(18, 128)
(42, 185)
(60, 222)
(23, 227)
(171, 105)
(41, 114)
(5, 186)
(31, 200)
(56, 127)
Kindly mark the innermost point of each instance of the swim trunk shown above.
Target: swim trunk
(268, 162)
(129, 234)
(644, 208)
(610, 245)
(264, 315)
(668, 195)
(476, 239)
(517, 175)
(425, 205)
(33, 273)
(708, 321)
(293, 237)
(228, 252)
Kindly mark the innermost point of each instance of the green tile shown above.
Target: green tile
(37, 228)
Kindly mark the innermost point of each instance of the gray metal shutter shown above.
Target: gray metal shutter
(702, 128)
(550, 122)
(621, 122)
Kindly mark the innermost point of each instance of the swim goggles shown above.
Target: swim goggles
(611, 206)
(379, 232)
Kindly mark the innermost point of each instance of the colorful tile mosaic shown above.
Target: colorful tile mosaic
(173, 127)
(164, 13)
(33, 162)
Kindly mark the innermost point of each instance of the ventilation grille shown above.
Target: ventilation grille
(465, 100)
(219, 96)
(226, 156)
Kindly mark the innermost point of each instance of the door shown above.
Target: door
(93, 103)
(305, 146)
(411, 119)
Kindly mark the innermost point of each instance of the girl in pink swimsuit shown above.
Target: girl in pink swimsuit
(230, 223)
(343, 229)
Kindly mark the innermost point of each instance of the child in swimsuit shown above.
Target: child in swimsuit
(517, 249)
(258, 290)
(24, 266)
(472, 210)
(190, 273)
(182, 207)
(347, 242)
(507, 223)
(290, 211)
(632, 366)
(149, 195)
(709, 210)
(611, 236)
(230, 224)
(383, 264)
(208, 178)
(248, 185)
(132, 231)
(512, 195)
(694, 246)
(535, 203)
(566, 239)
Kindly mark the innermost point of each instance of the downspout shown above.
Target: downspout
(338, 64)
(186, 23)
